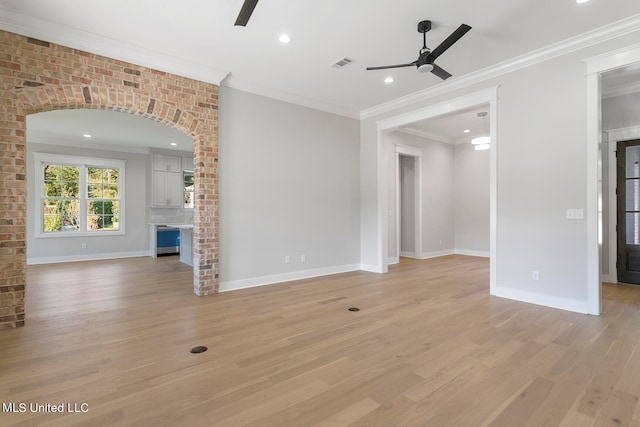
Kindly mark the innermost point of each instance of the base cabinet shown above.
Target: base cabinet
(186, 246)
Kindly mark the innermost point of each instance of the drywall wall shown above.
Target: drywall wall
(437, 187)
(289, 186)
(541, 172)
(621, 111)
(471, 200)
(58, 249)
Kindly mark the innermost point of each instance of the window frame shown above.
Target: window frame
(83, 163)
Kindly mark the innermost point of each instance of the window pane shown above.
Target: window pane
(52, 223)
(94, 191)
(95, 207)
(111, 176)
(52, 189)
(111, 191)
(60, 215)
(69, 223)
(633, 161)
(51, 173)
(69, 190)
(92, 222)
(94, 175)
(633, 228)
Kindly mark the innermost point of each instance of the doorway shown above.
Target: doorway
(596, 183)
(408, 226)
(628, 211)
(487, 96)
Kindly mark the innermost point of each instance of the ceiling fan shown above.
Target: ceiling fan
(245, 12)
(424, 63)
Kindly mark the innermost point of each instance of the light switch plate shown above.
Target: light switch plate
(575, 213)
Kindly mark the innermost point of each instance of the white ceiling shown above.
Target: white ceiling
(112, 130)
(197, 38)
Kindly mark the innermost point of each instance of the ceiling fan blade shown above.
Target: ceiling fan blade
(444, 75)
(245, 12)
(449, 41)
(391, 66)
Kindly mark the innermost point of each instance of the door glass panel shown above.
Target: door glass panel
(633, 228)
(633, 161)
(632, 195)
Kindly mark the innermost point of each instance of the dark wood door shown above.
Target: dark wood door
(628, 201)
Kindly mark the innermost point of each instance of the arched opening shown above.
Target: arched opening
(23, 101)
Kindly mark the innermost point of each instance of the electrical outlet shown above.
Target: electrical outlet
(303, 258)
(84, 246)
(287, 259)
(535, 275)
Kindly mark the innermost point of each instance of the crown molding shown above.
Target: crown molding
(269, 92)
(72, 37)
(598, 35)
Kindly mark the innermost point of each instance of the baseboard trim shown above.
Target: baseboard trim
(436, 254)
(543, 300)
(91, 257)
(483, 254)
(393, 260)
(285, 277)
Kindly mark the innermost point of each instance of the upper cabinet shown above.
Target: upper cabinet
(169, 181)
(187, 163)
(167, 163)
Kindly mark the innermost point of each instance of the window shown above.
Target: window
(79, 195)
(188, 189)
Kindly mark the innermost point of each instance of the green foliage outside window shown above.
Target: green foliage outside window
(61, 202)
(62, 198)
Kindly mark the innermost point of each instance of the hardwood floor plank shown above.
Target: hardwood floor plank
(429, 347)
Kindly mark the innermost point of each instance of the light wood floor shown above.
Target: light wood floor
(429, 347)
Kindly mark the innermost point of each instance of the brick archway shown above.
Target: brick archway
(182, 103)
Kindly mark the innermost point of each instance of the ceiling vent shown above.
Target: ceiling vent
(341, 63)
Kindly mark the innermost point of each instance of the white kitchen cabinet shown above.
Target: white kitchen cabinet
(167, 189)
(186, 245)
(187, 163)
(166, 179)
(167, 163)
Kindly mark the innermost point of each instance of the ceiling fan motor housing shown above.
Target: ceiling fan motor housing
(423, 63)
(424, 26)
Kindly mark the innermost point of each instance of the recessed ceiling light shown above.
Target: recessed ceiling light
(285, 38)
(389, 80)
(173, 144)
(86, 135)
(466, 131)
(581, 1)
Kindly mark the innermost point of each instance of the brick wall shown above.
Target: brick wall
(37, 76)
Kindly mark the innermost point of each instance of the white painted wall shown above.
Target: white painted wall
(621, 111)
(471, 200)
(455, 197)
(437, 188)
(136, 240)
(289, 186)
(541, 171)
